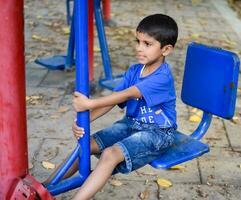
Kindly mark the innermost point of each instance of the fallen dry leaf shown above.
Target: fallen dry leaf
(116, 183)
(63, 109)
(36, 37)
(145, 194)
(146, 173)
(194, 36)
(177, 167)
(40, 38)
(34, 99)
(164, 183)
(196, 2)
(66, 30)
(194, 118)
(48, 165)
(39, 17)
(54, 117)
(234, 119)
(96, 49)
(209, 184)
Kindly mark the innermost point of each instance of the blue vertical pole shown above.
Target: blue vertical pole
(102, 40)
(82, 79)
(68, 14)
(70, 51)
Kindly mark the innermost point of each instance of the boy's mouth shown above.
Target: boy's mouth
(141, 57)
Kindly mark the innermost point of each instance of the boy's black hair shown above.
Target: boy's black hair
(162, 27)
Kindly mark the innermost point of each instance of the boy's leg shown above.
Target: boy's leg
(108, 136)
(109, 159)
(94, 149)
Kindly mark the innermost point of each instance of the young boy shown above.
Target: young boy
(147, 91)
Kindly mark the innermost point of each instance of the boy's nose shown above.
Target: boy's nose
(138, 47)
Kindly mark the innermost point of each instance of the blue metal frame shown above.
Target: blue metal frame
(102, 39)
(185, 147)
(71, 46)
(101, 36)
(61, 62)
(108, 81)
(57, 186)
(68, 14)
(202, 127)
(82, 78)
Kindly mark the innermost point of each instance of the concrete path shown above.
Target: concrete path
(216, 175)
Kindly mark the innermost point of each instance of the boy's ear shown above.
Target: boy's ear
(167, 49)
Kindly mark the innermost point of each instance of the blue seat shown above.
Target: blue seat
(210, 84)
(185, 148)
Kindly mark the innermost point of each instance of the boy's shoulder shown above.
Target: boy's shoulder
(135, 67)
(165, 69)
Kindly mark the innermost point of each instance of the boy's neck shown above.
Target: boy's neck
(149, 68)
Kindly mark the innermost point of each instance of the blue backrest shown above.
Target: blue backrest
(210, 79)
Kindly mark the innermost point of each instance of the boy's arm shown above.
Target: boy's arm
(98, 112)
(82, 103)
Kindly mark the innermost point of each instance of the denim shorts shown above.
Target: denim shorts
(140, 142)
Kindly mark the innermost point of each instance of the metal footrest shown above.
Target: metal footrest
(57, 62)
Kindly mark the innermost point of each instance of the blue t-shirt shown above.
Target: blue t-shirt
(158, 101)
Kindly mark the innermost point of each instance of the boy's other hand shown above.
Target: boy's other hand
(80, 102)
(78, 131)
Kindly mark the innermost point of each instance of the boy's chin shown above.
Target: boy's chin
(142, 62)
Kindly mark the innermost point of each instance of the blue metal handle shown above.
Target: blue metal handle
(57, 186)
(82, 79)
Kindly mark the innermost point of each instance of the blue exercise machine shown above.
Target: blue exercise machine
(61, 62)
(109, 81)
(210, 83)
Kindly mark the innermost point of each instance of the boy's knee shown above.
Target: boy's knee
(112, 154)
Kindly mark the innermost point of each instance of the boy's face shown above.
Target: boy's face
(148, 50)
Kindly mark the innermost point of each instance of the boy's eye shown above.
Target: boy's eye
(147, 43)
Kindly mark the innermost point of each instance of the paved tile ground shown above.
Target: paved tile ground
(216, 175)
